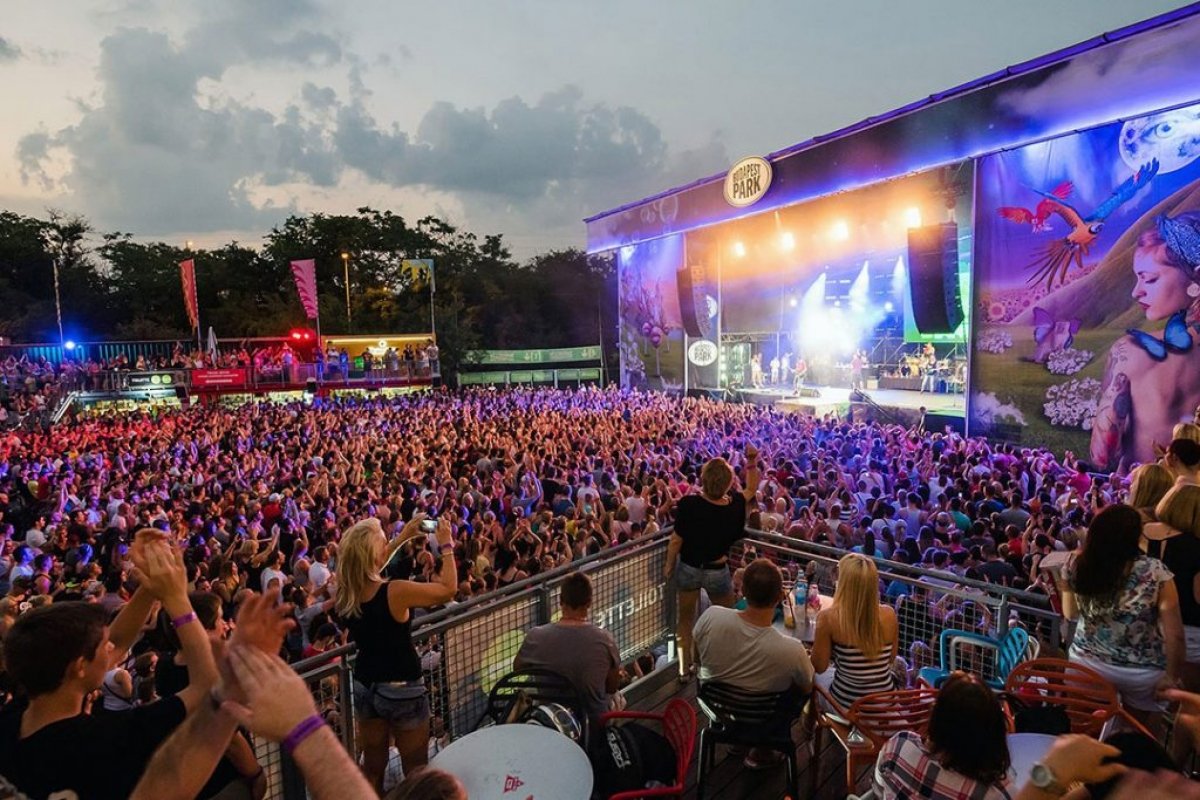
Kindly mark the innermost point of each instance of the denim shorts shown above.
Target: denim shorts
(405, 705)
(716, 582)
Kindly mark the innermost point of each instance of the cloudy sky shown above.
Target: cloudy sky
(214, 120)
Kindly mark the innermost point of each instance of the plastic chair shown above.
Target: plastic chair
(678, 722)
(747, 719)
(1007, 653)
(1091, 702)
(540, 686)
(865, 727)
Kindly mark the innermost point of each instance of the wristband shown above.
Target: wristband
(446, 548)
(305, 728)
(184, 619)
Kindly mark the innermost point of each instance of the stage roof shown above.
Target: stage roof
(1140, 69)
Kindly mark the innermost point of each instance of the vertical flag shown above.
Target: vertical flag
(187, 273)
(305, 274)
(420, 269)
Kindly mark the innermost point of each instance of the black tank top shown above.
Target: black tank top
(385, 649)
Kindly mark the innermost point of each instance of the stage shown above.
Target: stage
(884, 404)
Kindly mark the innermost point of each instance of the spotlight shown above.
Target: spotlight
(841, 231)
(739, 249)
(787, 241)
(889, 307)
(793, 302)
(69, 345)
(912, 217)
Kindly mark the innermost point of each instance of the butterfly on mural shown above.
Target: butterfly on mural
(1052, 334)
(1039, 217)
(1176, 338)
(1055, 261)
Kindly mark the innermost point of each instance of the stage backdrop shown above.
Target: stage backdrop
(1086, 293)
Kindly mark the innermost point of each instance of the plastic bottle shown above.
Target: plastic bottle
(814, 602)
(801, 594)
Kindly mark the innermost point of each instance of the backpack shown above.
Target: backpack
(632, 756)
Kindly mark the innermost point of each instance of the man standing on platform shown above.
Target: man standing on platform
(785, 366)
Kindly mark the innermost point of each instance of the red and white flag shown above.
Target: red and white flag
(305, 273)
(187, 273)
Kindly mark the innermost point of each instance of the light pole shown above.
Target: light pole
(346, 281)
(58, 304)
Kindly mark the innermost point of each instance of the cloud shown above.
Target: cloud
(8, 51)
(163, 150)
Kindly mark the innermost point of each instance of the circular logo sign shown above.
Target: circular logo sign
(702, 353)
(747, 181)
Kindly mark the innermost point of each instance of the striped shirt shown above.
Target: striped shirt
(857, 676)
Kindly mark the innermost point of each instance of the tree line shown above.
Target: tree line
(113, 287)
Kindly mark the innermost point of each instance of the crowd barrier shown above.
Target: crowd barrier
(465, 648)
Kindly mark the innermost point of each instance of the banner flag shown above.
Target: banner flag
(305, 273)
(420, 270)
(187, 273)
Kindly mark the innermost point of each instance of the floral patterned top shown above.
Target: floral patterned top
(1125, 633)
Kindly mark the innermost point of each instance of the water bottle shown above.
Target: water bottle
(814, 602)
(801, 596)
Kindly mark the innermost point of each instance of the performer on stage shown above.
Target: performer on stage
(756, 371)
(800, 373)
(775, 370)
(785, 366)
(857, 362)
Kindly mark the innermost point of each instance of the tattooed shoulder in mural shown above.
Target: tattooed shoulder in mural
(1112, 423)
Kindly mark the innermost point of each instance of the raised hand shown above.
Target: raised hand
(263, 622)
(276, 699)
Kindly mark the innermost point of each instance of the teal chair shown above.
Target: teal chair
(1007, 653)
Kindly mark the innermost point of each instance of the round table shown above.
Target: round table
(518, 762)
(804, 631)
(1025, 750)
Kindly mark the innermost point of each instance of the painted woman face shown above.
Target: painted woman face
(1161, 289)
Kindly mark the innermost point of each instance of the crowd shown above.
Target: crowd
(321, 504)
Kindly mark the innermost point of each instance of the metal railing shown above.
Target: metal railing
(465, 648)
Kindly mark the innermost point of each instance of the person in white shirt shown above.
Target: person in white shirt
(318, 572)
(35, 537)
(274, 571)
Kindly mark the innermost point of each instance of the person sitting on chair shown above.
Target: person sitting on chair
(581, 652)
(742, 649)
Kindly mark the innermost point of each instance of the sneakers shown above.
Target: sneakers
(762, 759)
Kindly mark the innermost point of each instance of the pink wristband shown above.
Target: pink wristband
(305, 728)
(184, 619)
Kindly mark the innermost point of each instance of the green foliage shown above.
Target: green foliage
(115, 287)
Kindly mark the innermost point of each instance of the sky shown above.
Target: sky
(213, 121)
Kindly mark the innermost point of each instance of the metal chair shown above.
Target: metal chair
(678, 722)
(1007, 652)
(540, 686)
(1092, 703)
(865, 727)
(747, 719)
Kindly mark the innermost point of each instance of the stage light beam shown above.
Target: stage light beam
(912, 217)
(840, 231)
(739, 249)
(787, 241)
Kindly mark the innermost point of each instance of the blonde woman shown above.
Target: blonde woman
(1148, 484)
(706, 526)
(389, 694)
(857, 634)
(1175, 540)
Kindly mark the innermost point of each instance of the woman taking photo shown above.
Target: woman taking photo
(858, 635)
(706, 526)
(1130, 629)
(389, 693)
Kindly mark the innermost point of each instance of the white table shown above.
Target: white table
(1025, 750)
(518, 762)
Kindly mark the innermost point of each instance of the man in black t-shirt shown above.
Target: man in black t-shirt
(59, 654)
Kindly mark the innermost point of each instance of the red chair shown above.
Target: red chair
(678, 722)
(1091, 702)
(864, 728)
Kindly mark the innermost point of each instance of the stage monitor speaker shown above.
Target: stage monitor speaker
(808, 391)
(692, 285)
(933, 278)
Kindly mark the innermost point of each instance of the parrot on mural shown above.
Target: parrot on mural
(1039, 218)
(1053, 263)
